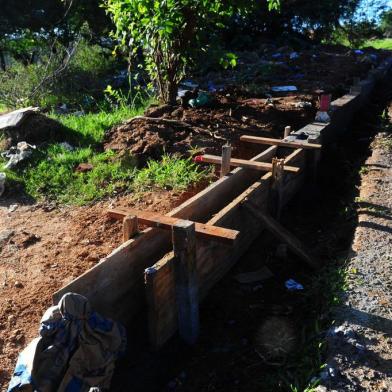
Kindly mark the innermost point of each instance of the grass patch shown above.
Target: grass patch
(385, 44)
(51, 175)
(92, 126)
(172, 172)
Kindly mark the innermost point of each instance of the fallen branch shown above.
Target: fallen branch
(178, 123)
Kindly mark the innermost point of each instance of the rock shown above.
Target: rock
(18, 285)
(5, 235)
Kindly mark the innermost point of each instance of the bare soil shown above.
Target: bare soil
(43, 248)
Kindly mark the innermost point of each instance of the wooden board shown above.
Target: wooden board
(153, 219)
(260, 166)
(277, 142)
(213, 262)
(115, 286)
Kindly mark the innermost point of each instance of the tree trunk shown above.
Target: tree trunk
(172, 93)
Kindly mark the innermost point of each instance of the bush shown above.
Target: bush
(75, 77)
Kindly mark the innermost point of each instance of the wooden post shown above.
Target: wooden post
(130, 227)
(152, 307)
(277, 185)
(226, 157)
(287, 132)
(185, 276)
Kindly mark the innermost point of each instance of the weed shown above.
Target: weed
(172, 172)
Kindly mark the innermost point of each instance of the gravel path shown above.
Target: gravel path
(360, 343)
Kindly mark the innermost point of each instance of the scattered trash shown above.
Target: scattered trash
(292, 285)
(322, 117)
(325, 102)
(298, 76)
(283, 89)
(3, 177)
(203, 99)
(190, 84)
(294, 55)
(66, 146)
(359, 52)
(17, 154)
(255, 276)
(79, 113)
(303, 105)
(276, 55)
(76, 351)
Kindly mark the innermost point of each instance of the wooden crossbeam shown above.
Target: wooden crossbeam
(278, 142)
(153, 219)
(261, 166)
(282, 233)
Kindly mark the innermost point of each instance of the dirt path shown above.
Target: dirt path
(42, 248)
(360, 343)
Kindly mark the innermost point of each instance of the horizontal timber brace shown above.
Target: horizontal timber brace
(153, 219)
(261, 166)
(278, 142)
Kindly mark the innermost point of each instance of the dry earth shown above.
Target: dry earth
(42, 248)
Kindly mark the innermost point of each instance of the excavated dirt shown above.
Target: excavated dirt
(207, 129)
(43, 248)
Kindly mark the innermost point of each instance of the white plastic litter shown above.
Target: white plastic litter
(292, 285)
(17, 154)
(283, 89)
(294, 56)
(323, 117)
(67, 146)
(2, 182)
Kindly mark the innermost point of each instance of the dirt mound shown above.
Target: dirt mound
(181, 130)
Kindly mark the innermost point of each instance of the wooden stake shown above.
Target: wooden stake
(277, 184)
(287, 131)
(130, 227)
(185, 276)
(226, 157)
(283, 234)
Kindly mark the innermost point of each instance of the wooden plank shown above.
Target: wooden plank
(282, 233)
(260, 166)
(186, 282)
(153, 219)
(278, 142)
(115, 285)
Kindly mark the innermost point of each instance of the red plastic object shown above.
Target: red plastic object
(198, 158)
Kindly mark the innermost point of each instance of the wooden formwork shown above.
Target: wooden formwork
(138, 276)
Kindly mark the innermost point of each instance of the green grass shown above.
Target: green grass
(172, 172)
(50, 173)
(92, 126)
(385, 44)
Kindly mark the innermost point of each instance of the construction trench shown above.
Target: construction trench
(154, 291)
